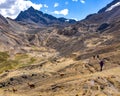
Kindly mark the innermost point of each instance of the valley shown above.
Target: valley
(41, 55)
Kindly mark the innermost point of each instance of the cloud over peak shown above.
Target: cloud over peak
(11, 8)
(62, 12)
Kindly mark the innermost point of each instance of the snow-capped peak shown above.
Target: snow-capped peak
(113, 6)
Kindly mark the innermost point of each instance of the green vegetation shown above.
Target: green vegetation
(3, 56)
(20, 60)
(21, 56)
(5, 62)
(32, 60)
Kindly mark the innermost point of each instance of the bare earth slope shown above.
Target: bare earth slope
(71, 81)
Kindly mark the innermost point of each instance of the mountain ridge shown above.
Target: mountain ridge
(108, 6)
(39, 18)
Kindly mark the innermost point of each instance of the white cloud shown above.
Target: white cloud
(46, 6)
(2, 1)
(62, 12)
(11, 8)
(82, 1)
(74, 0)
(56, 4)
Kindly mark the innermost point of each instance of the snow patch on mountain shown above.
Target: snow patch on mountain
(113, 6)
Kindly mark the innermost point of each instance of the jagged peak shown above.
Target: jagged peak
(31, 8)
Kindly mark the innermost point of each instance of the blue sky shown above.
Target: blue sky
(77, 9)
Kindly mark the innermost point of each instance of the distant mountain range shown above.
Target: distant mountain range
(33, 27)
(33, 16)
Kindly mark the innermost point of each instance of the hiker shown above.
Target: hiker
(101, 64)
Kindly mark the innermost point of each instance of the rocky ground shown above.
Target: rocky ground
(68, 76)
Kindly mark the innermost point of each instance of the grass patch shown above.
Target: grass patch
(32, 60)
(20, 60)
(20, 56)
(5, 62)
(8, 65)
(3, 56)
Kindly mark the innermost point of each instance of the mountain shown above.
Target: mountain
(110, 6)
(33, 16)
(92, 26)
(59, 37)
(12, 35)
(60, 60)
(108, 16)
(102, 20)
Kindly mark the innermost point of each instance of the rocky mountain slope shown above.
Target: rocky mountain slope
(112, 5)
(61, 60)
(36, 17)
